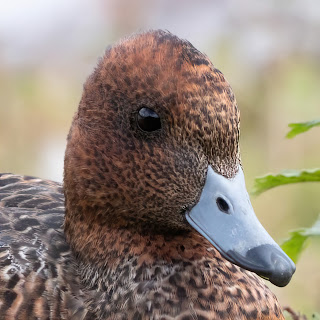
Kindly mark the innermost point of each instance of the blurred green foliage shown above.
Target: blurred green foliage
(298, 238)
(297, 241)
(297, 128)
(269, 181)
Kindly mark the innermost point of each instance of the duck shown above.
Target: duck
(153, 220)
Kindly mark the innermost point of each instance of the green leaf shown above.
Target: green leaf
(298, 240)
(297, 128)
(269, 181)
(316, 316)
(295, 245)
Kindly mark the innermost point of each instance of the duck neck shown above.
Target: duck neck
(144, 272)
(103, 248)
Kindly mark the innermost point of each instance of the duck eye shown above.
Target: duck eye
(148, 120)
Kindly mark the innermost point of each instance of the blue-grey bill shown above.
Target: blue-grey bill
(224, 216)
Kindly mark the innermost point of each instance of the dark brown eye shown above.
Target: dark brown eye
(148, 120)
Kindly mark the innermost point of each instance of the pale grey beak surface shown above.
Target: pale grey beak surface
(224, 216)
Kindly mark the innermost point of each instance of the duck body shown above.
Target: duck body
(114, 242)
(37, 271)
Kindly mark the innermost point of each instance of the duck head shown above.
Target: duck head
(154, 148)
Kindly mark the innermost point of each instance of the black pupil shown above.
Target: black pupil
(148, 120)
(222, 205)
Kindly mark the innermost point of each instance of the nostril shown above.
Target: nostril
(222, 205)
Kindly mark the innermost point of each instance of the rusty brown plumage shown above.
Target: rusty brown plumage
(132, 254)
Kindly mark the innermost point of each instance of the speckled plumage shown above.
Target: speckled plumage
(126, 251)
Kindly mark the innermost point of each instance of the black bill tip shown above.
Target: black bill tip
(268, 262)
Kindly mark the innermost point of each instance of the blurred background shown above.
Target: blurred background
(268, 50)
